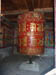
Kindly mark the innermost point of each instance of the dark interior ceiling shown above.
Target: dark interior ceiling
(11, 8)
(25, 4)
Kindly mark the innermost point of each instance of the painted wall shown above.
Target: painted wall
(49, 39)
(49, 35)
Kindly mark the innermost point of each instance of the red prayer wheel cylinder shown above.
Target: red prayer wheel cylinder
(31, 33)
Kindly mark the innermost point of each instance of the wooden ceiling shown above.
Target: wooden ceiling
(11, 8)
(25, 4)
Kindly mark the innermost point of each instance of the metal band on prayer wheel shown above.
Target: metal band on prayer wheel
(31, 33)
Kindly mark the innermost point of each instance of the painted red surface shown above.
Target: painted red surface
(31, 33)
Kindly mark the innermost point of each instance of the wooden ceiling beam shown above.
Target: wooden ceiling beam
(30, 5)
(17, 12)
(20, 4)
(44, 10)
(39, 3)
(14, 12)
(26, 4)
(33, 4)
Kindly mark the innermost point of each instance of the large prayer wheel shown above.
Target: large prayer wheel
(31, 33)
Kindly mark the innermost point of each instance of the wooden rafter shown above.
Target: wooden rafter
(26, 4)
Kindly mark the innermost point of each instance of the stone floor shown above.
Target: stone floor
(10, 65)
